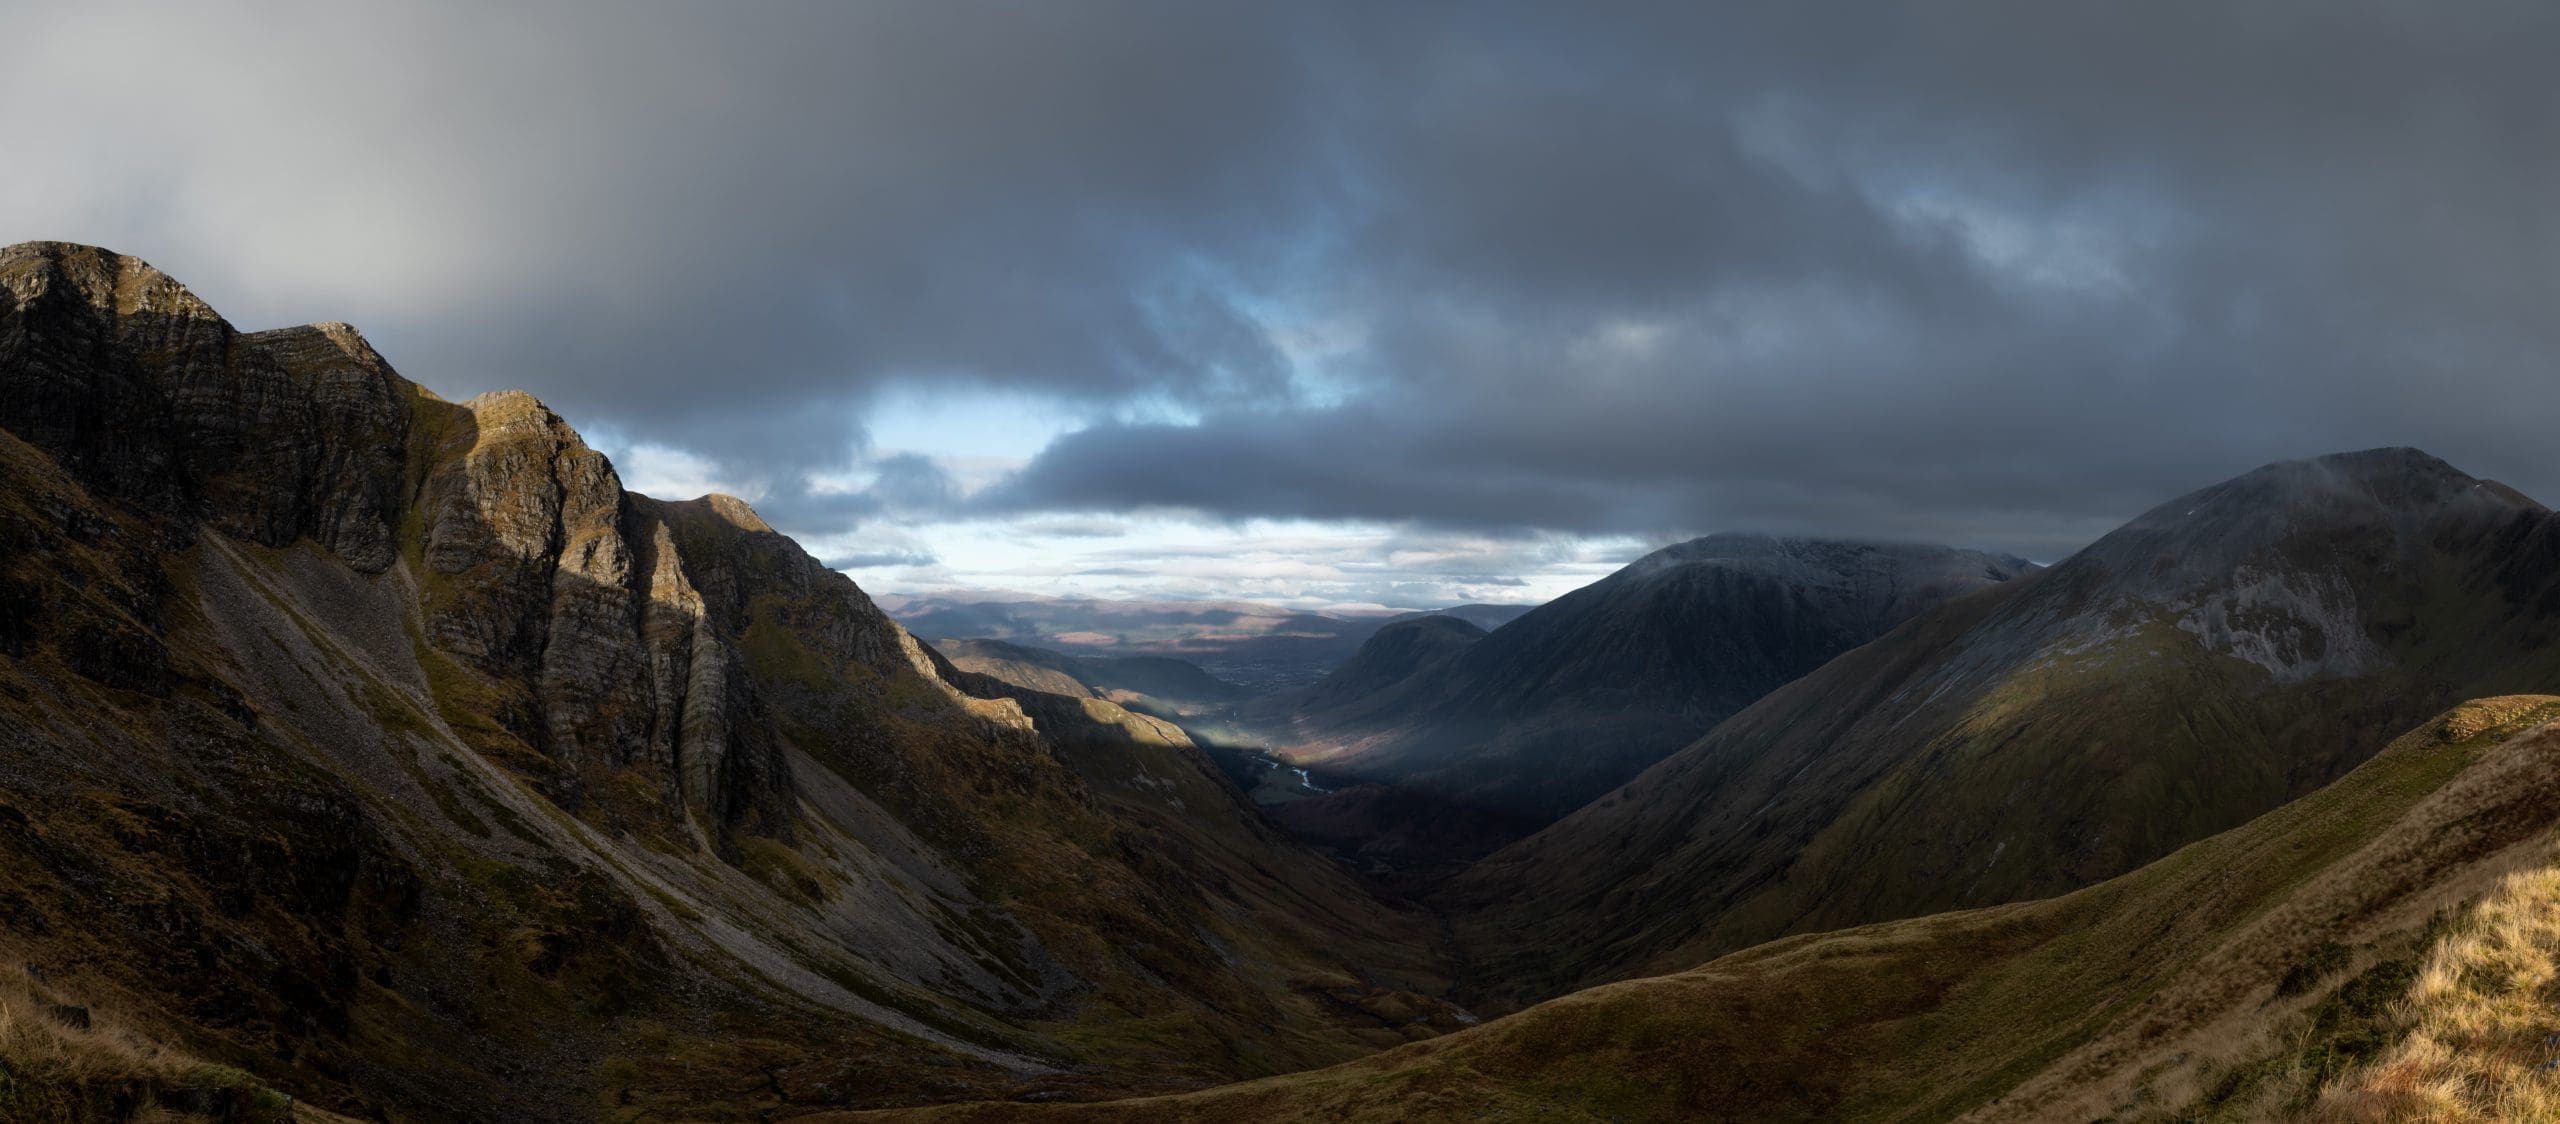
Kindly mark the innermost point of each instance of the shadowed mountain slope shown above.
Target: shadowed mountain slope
(2228, 651)
(1373, 685)
(2256, 974)
(1579, 695)
(385, 748)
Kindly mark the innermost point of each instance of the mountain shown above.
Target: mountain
(1158, 685)
(2376, 950)
(2226, 652)
(385, 751)
(1578, 696)
(1390, 659)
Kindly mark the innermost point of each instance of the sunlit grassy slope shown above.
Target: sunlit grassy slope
(2477, 1033)
(2233, 979)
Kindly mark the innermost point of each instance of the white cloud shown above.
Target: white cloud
(1301, 563)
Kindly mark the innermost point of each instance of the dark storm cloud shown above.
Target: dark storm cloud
(1998, 273)
(1990, 273)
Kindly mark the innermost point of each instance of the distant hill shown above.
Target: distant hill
(1576, 697)
(1485, 617)
(1260, 647)
(2228, 651)
(1157, 685)
(1390, 659)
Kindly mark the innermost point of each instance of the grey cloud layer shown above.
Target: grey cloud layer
(1995, 273)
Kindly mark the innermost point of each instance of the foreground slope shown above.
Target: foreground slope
(2226, 652)
(1581, 694)
(384, 747)
(2252, 975)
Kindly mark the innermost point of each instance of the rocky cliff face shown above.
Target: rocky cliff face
(144, 394)
(388, 747)
(533, 556)
(575, 599)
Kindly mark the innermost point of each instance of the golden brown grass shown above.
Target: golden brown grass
(50, 1070)
(55, 1072)
(2482, 1034)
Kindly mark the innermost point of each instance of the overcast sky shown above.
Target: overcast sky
(1394, 303)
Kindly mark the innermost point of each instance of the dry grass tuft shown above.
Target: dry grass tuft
(52, 1070)
(55, 1070)
(2482, 1032)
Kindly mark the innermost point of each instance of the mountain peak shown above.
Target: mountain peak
(2397, 477)
(2393, 492)
(118, 284)
(736, 512)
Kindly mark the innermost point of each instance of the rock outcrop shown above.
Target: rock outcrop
(533, 555)
(545, 576)
(145, 394)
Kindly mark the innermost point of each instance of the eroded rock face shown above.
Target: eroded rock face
(536, 570)
(144, 393)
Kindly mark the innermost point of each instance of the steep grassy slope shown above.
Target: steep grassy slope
(2233, 979)
(1581, 694)
(2472, 1039)
(386, 749)
(2222, 654)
